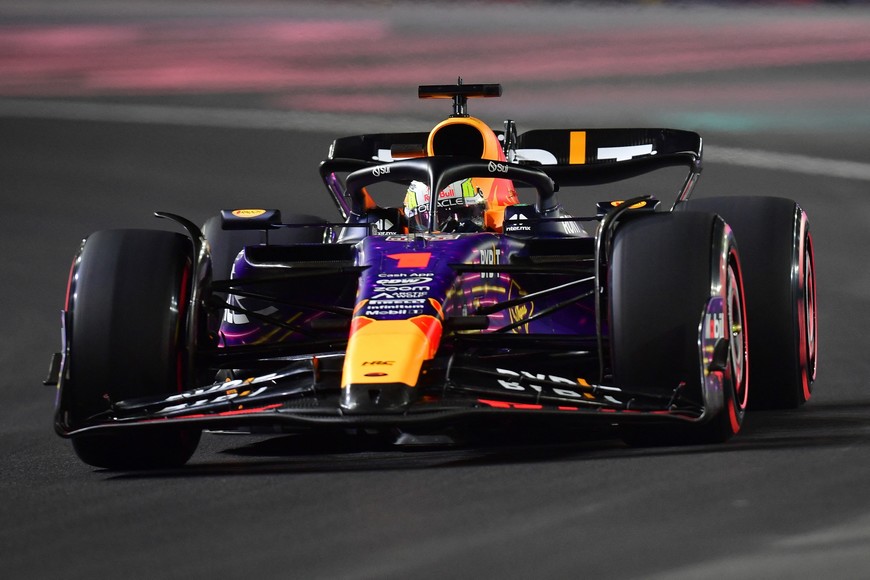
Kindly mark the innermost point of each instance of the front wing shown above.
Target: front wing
(302, 396)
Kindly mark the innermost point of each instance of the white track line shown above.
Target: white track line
(788, 162)
(355, 123)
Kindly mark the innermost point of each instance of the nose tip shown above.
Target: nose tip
(375, 398)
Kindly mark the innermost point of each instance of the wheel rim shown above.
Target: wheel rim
(737, 337)
(809, 313)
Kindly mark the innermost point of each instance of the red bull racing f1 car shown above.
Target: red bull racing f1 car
(455, 292)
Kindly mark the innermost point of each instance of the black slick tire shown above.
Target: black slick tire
(664, 269)
(779, 268)
(126, 318)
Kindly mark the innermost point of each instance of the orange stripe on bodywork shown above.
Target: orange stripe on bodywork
(577, 148)
(358, 322)
(437, 306)
(390, 351)
(431, 327)
(369, 202)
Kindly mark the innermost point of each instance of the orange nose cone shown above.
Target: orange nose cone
(383, 363)
(390, 351)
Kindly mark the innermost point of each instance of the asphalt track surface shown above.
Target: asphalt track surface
(111, 111)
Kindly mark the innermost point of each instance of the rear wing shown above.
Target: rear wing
(592, 156)
(571, 157)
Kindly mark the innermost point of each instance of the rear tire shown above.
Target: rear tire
(126, 335)
(664, 269)
(779, 266)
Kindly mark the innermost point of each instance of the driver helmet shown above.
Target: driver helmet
(477, 202)
(461, 207)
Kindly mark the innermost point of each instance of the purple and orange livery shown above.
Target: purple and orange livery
(631, 313)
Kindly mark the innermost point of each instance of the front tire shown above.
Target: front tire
(664, 270)
(126, 318)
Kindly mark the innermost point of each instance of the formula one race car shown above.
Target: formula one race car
(441, 302)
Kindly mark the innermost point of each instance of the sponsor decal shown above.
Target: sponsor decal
(226, 391)
(625, 153)
(431, 238)
(429, 276)
(512, 384)
(411, 259)
(520, 311)
(541, 156)
(399, 294)
(489, 257)
(384, 225)
(494, 167)
(248, 213)
(382, 310)
(520, 382)
(714, 325)
(379, 363)
(515, 223)
(638, 205)
(395, 307)
(411, 294)
(404, 281)
(381, 170)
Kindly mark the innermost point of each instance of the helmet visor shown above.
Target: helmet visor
(459, 207)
